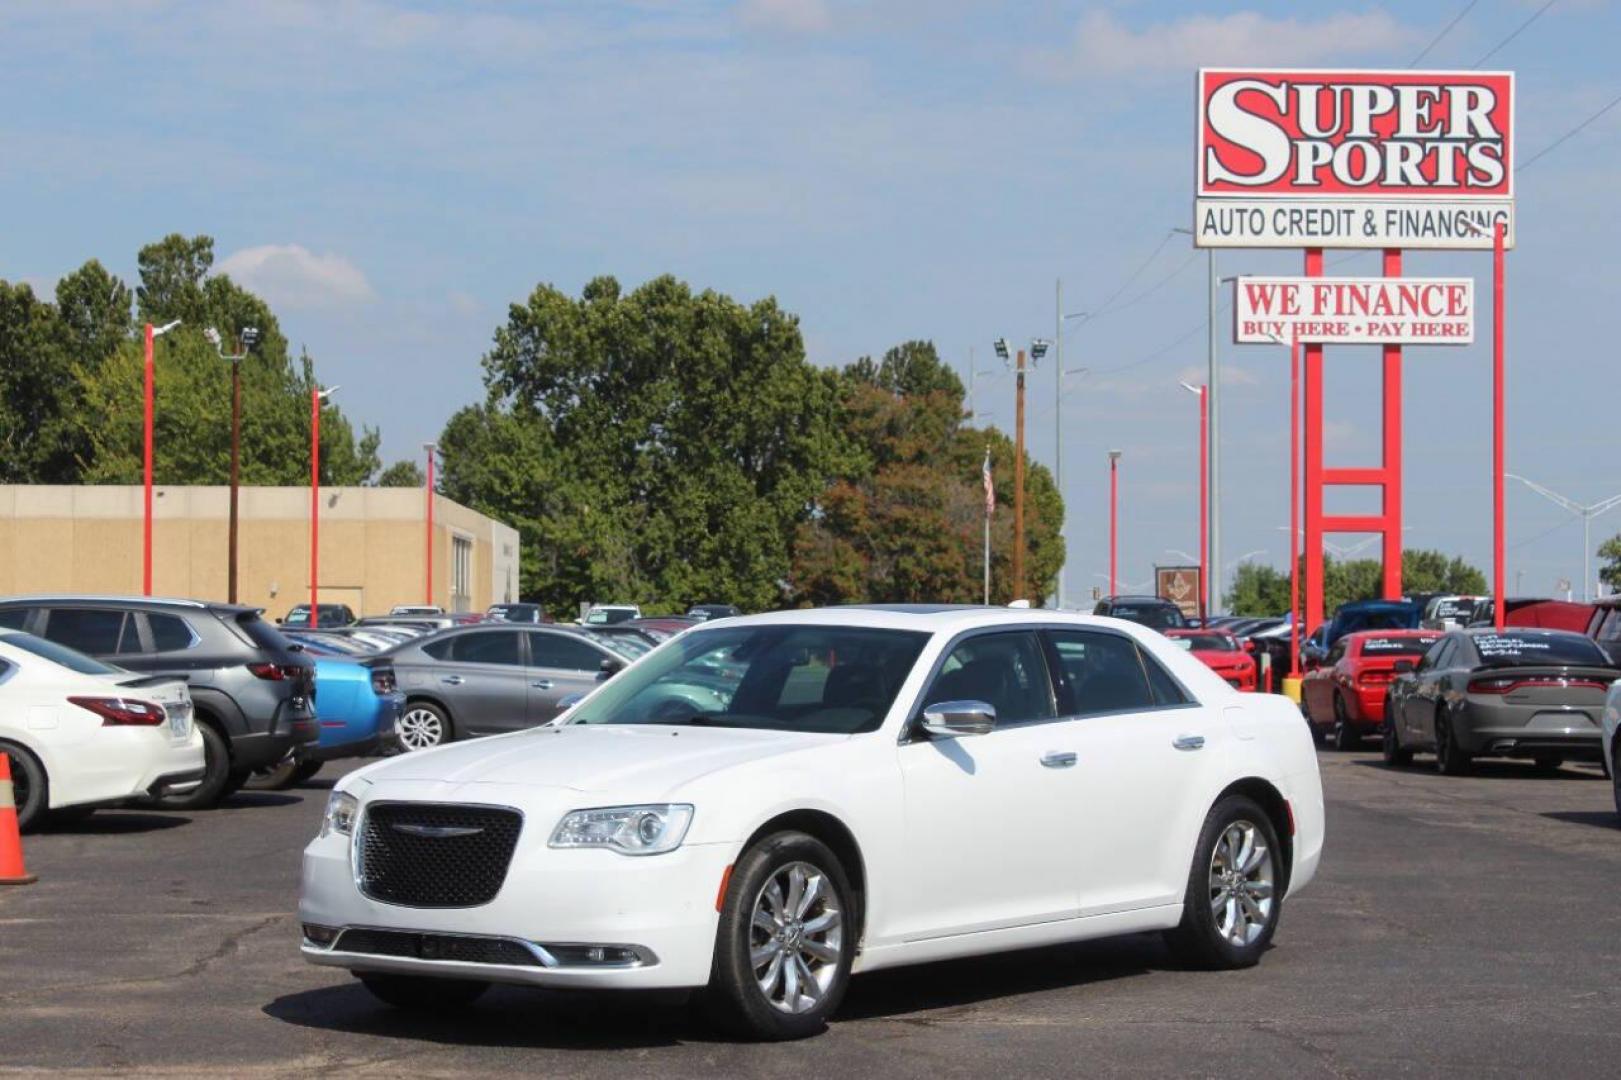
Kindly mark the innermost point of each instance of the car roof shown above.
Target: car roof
(928, 618)
(156, 603)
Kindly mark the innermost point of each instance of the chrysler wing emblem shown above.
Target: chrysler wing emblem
(437, 832)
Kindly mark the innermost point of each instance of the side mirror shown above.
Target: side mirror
(954, 719)
(1404, 667)
(610, 668)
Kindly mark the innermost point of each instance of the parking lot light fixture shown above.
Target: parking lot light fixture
(1114, 530)
(317, 398)
(1206, 598)
(431, 451)
(152, 333)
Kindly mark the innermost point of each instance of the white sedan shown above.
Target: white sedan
(873, 786)
(82, 734)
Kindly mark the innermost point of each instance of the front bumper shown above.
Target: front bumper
(662, 905)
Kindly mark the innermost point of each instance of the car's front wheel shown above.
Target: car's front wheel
(1233, 900)
(424, 726)
(786, 940)
(419, 993)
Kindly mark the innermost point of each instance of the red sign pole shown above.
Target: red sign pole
(1205, 600)
(315, 506)
(1294, 506)
(1392, 478)
(1498, 567)
(1312, 423)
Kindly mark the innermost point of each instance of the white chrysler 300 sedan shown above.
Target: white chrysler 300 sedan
(766, 806)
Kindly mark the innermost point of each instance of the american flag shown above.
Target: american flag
(990, 486)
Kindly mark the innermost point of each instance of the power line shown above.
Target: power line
(1152, 289)
(1518, 30)
(1144, 265)
(1546, 150)
(1445, 30)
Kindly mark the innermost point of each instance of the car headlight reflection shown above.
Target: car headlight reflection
(341, 810)
(629, 830)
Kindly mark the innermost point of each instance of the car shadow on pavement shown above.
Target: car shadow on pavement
(1604, 819)
(242, 799)
(1489, 769)
(507, 1016)
(113, 822)
(510, 1016)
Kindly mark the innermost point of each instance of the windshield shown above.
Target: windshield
(1153, 616)
(1511, 649)
(1208, 642)
(833, 679)
(71, 659)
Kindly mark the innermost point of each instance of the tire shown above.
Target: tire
(1615, 773)
(812, 943)
(306, 772)
(1229, 913)
(29, 785)
(1450, 759)
(420, 993)
(424, 725)
(277, 777)
(1346, 737)
(1395, 754)
(1547, 764)
(216, 776)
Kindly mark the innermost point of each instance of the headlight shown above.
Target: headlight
(341, 810)
(629, 830)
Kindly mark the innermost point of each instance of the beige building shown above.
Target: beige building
(87, 539)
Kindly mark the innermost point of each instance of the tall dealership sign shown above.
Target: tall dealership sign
(1390, 160)
(1354, 159)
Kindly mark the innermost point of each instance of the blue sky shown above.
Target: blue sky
(391, 175)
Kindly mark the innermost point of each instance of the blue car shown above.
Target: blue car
(1359, 615)
(358, 704)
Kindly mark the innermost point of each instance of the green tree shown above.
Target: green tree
(39, 442)
(406, 473)
(1258, 590)
(905, 521)
(1610, 572)
(1262, 590)
(658, 446)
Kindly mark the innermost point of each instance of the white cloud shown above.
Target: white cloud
(1105, 46)
(788, 16)
(292, 276)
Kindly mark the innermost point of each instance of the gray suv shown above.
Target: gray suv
(254, 693)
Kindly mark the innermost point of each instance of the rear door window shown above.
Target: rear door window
(1104, 673)
(93, 631)
(487, 647)
(169, 633)
(14, 618)
(562, 651)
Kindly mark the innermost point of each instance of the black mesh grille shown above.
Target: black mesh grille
(466, 950)
(418, 854)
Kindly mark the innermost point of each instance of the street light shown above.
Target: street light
(1059, 375)
(1038, 349)
(146, 457)
(1587, 513)
(317, 396)
(1213, 402)
(246, 339)
(1206, 598)
(1114, 532)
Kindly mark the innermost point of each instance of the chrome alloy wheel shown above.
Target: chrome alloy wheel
(1241, 883)
(796, 937)
(421, 729)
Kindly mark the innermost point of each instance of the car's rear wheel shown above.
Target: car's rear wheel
(786, 940)
(1615, 772)
(1450, 758)
(1346, 735)
(216, 776)
(418, 993)
(424, 726)
(1233, 899)
(29, 786)
(275, 777)
(1391, 746)
(305, 772)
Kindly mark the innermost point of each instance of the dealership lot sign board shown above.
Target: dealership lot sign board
(1355, 311)
(1354, 159)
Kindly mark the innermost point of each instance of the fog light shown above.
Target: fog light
(597, 955)
(323, 936)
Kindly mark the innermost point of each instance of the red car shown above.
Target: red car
(1344, 698)
(1220, 652)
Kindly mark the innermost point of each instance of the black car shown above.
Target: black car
(254, 693)
(1154, 612)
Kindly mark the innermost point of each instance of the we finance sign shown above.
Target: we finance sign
(1355, 311)
(1354, 159)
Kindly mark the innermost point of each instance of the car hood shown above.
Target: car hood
(643, 761)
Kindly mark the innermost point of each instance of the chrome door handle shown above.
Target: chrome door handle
(542, 684)
(1058, 759)
(1188, 742)
(452, 680)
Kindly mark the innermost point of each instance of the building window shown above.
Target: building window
(461, 574)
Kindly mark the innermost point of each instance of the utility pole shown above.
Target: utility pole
(1058, 427)
(245, 341)
(1212, 439)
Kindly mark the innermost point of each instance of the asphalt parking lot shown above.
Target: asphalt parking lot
(1459, 926)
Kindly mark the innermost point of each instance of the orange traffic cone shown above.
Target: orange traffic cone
(12, 870)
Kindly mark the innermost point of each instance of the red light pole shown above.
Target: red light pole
(146, 459)
(1498, 600)
(1114, 531)
(430, 448)
(1206, 599)
(1294, 506)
